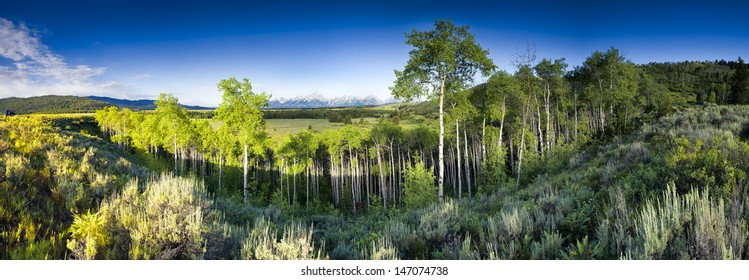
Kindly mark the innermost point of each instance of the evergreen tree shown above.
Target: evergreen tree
(740, 84)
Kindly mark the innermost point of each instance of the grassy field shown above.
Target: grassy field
(276, 127)
(289, 126)
(64, 115)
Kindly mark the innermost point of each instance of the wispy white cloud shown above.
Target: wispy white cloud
(142, 76)
(34, 69)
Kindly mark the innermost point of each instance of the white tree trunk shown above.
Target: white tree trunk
(483, 138)
(333, 180)
(522, 136)
(351, 174)
(366, 173)
(502, 123)
(393, 182)
(548, 118)
(382, 178)
(457, 149)
(245, 173)
(441, 156)
(538, 126)
(468, 167)
(220, 169)
(176, 164)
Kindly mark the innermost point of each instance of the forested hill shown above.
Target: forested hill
(58, 104)
(140, 104)
(697, 81)
(51, 104)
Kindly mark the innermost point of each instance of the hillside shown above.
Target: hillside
(694, 81)
(660, 192)
(140, 104)
(51, 104)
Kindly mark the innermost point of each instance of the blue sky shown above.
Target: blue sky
(136, 49)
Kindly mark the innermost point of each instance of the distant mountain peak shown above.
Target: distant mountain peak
(317, 100)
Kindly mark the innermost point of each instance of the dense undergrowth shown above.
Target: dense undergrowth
(46, 176)
(673, 189)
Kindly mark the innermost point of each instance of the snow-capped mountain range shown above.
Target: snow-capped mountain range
(318, 101)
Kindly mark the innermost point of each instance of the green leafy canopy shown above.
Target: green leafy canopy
(447, 55)
(240, 110)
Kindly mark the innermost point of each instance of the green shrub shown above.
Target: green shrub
(223, 241)
(344, 251)
(382, 249)
(493, 174)
(548, 248)
(614, 230)
(468, 251)
(719, 162)
(583, 250)
(690, 226)
(439, 223)
(419, 188)
(508, 236)
(163, 222)
(400, 235)
(296, 243)
(87, 235)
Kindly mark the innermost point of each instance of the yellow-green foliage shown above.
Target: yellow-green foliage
(295, 243)
(382, 249)
(14, 166)
(87, 235)
(163, 222)
(716, 163)
(46, 174)
(26, 135)
(419, 187)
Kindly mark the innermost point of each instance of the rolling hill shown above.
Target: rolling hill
(140, 104)
(51, 104)
(58, 104)
(78, 104)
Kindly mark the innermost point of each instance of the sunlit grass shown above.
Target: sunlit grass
(60, 116)
(277, 127)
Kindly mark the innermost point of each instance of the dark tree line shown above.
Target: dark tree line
(51, 104)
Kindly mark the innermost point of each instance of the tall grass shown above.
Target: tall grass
(163, 222)
(295, 243)
(674, 226)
